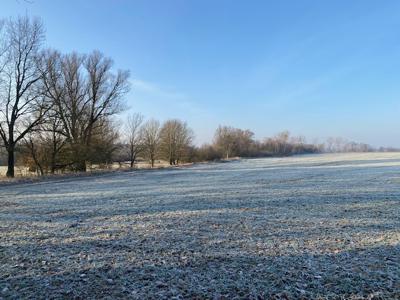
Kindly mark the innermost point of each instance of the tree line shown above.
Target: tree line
(171, 141)
(57, 114)
(56, 106)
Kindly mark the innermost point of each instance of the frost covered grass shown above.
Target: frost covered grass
(318, 226)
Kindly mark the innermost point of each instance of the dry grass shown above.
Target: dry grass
(319, 227)
(23, 172)
(19, 172)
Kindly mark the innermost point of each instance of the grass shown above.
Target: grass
(312, 227)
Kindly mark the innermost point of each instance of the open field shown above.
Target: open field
(318, 226)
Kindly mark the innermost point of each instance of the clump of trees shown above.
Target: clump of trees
(283, 144)
(231, 142)
(175, 141)
(57, 107)
(338, 144)
(170, 141)
(85, 93)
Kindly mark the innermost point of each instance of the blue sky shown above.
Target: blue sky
(316, 68)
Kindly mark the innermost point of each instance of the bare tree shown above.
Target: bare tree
(105, 90)
(84, 91)
(55, 140)
(22, 105)
(176, 138)
(3, 45)
(36, 152)
(224, 140)
(104, 142)
(150, 133)
(281, 142)
(297, 144)
(3, 61)
(233, 141)
(184, 140)
(42, 149)
(243, 142)
(134, 137)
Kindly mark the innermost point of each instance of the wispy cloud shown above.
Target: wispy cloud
(169, 98)
(154, 89)
(161, 102)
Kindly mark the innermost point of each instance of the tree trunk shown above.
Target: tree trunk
(134, 160)
(11, 162)
(53, 164)
(81, 166)
(35, 159)
(53, 156)
(131, 156)
(41, 171)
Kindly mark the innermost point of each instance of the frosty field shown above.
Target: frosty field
(319, 226)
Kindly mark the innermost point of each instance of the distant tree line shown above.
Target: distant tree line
(57, 114)
(234, 142)
(341, 145)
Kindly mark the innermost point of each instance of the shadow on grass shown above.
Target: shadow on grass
(130, 270)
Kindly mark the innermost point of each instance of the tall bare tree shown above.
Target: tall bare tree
(22, 104)
(55, 140)
(281, 142)
(104, 143)
(176, 138)
(36, 151)
(243, 142)
(184, 140)
(224, 140)
(150, 133)
(85, 90)
(134, 138)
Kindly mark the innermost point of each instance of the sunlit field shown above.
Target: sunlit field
(319, 226)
